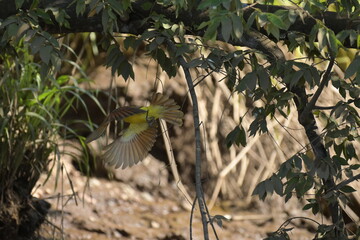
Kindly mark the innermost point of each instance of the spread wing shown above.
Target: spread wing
(132, 146)
(117, 114)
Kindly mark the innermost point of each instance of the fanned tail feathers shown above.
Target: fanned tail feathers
(171, 112)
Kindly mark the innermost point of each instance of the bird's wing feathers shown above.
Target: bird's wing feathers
(117, 114)
(132, 147)
(99, 131)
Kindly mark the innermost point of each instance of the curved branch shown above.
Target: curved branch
(199, 191)
(326, 77)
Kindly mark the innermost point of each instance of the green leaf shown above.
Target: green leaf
(286, 96)
(45, 53)
(291, 184)
(284, 169)
(231, 78)
(349, 151)
(355, 166)
(237, 26)
(117, 6)
(297, 162)
(19, 3)
(342, 35)
(321, 36)
(211, 31)
(347, 189)
(237, 136)
(296, 77)
(12, 30)
(36, 44)
(125, 70)
(315, 209)
(269, 187)
(226, 28)
(353, 68)
(203, 24)
(338, 148)
(287, 197)
(278, 185)
(274, 30)
(308, 206)
(323, 171)
(309, 163)
(63, 79)
(333, 42)
(277, 21)
(80, 7)
(307, 185)
(357, 103)
(260, 190)
(264, 79)
(251, 19)
(195, 63)
(147, 5)
(247, 82)
(339, 160)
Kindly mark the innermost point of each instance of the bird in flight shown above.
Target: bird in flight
(135, 141)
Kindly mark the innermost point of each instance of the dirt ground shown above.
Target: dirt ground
(140, 203)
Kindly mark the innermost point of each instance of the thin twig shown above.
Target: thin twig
(211, 223)
(171, 158)
(199, 192)
(293, 218)
(347, 181)
(331, 107)
(326, 77)
(191, 216)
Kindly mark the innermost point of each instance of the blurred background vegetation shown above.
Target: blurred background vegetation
(55, 89)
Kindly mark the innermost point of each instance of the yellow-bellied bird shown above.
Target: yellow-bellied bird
(135, 142)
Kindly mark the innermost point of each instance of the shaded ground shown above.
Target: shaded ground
(140, 203)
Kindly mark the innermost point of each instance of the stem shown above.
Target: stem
(191, 216)
(326, 77)
(346, 182)
(199, 192)
(307, 120)
(309, 124)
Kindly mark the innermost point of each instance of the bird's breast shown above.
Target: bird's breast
(136, 118)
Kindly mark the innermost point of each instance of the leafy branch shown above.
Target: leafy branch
(324, 82)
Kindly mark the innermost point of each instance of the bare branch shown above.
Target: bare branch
(199, 191)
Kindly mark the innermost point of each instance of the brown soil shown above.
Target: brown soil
(140, 203)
